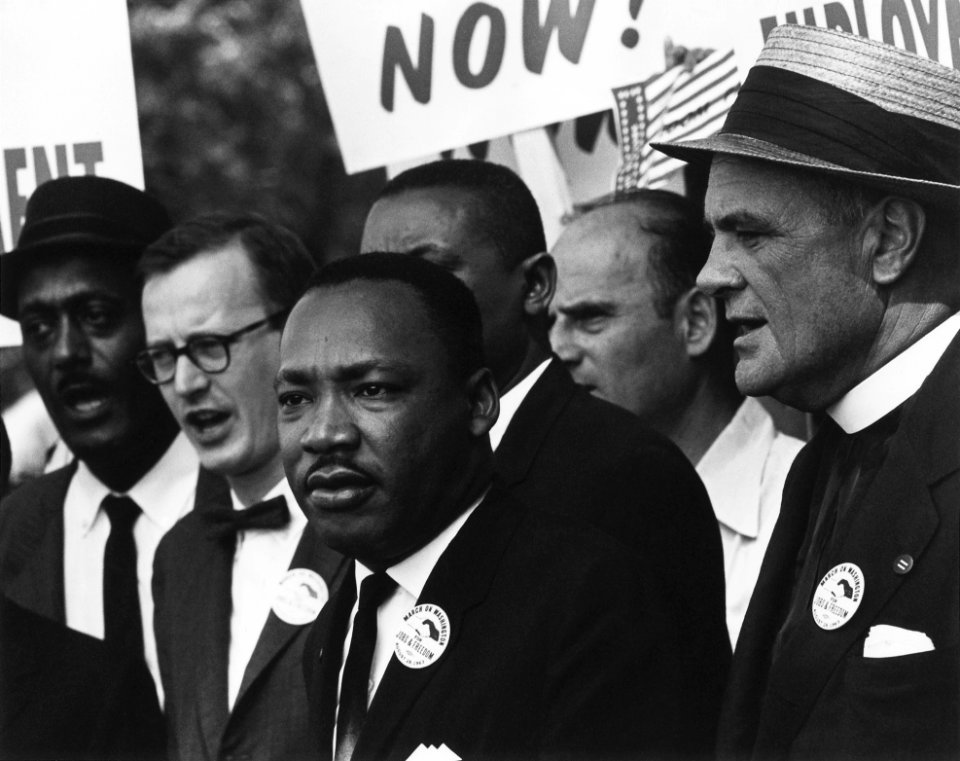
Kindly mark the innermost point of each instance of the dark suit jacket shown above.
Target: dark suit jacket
(556, 650)
(192, 594)
(573, 454)
(820, 697)
(61, 692)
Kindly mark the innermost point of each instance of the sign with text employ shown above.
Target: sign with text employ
(408, 78)
(928, 28)
(69, 104)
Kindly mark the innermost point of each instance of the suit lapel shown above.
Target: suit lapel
(460, 581)
(210, 598)
(532, 423)
(39, 585)
(896, 516)
(276, 635)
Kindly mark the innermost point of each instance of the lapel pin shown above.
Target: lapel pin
(423, 636)
(838, 596)
(300, 595)
(903, 564)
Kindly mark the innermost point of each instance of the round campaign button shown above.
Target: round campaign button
(838, 596)
(300, 595)
(423, 636)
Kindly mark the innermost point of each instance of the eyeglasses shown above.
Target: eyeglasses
(209, 352)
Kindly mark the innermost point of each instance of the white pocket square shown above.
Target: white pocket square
(886, 641)
(433, 753)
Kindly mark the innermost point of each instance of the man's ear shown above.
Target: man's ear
(891, 238)
(696, 318)
(539, 283)
(484, 401)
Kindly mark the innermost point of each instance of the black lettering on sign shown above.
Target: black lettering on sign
(953, 30)
(463, 38)
(928, 27)
(87, 155)
(837, 17)
(15, 159)
(571, 31)
(896, 10)
(395, 54)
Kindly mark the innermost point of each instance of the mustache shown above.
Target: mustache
(73, 380)
(339, 461)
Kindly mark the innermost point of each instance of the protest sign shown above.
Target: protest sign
(929, 28)
(408, 79)
(69, 104)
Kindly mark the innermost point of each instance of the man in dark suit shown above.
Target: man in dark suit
(235, 585)
(485, 628)
(833, 196)
(555, 445)
(77, 545)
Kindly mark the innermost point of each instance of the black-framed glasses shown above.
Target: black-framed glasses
(210, 352)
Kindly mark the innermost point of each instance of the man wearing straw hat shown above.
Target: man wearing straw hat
(833, 196)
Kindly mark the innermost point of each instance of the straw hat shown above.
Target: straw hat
(840, 104)
(82, 214)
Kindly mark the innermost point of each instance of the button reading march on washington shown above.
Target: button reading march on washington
(300, 595)
(423, 636)
(838, 596)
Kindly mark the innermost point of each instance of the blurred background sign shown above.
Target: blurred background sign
(69, 104)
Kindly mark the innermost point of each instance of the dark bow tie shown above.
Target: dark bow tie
(224, 522)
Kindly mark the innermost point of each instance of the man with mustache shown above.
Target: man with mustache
(484, 627)
(833, 195)
(555, 445)
(77, 545)
(235, 586)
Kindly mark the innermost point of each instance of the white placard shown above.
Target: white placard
(69, 104)
(929, 28)
(407, 78)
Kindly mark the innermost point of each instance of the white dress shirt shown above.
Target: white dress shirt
(510, 402)
(261, 558)
(895, 382)
(165, 494)
(744, 470)
(411, 575)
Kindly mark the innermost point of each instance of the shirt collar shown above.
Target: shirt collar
(510, 402)
(412, 573)
(895, 382)
(732, 468)
(160, 494)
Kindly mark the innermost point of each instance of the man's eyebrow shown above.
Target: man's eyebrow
(585, 307)
(736, 219)
(300, 376)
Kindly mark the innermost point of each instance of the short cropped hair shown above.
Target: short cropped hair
(683, 243)
(449, 304)
(503, 207)
(280, 259)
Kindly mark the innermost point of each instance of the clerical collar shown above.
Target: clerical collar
(895, 382)
(510, 402)
(412, 573)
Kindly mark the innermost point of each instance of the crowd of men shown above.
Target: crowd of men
(461, 497)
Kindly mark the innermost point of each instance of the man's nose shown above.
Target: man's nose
(719, 274)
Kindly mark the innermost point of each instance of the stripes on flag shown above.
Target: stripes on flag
(674, 105)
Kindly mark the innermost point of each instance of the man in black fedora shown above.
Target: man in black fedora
(833, 197)
(77, 651)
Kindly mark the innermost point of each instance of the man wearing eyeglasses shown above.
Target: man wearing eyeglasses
(77, 654)
(236, 584)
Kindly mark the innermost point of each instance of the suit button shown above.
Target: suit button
(903, 564)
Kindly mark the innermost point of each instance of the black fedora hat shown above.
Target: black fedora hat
(839, 104)
(85, 214)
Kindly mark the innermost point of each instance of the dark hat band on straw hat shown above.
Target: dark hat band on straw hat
(837, 103)
(815, 118)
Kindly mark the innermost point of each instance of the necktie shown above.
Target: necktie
(375, 589)
(123, 628)
(225, 522)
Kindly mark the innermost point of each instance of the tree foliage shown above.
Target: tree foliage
(232, 116)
